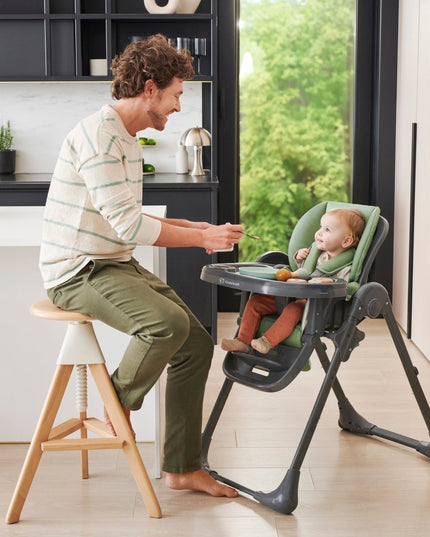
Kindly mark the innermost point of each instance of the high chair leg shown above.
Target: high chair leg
(41, 434)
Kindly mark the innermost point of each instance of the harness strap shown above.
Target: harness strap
(330, 267)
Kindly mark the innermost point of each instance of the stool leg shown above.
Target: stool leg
(34, 454)
(84, 453)
(122, 429)
(82, 405)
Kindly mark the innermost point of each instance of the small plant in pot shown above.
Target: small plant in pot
(7, 154)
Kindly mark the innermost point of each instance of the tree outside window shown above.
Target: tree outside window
(296, 80)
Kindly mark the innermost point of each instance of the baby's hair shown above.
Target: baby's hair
(353, 219)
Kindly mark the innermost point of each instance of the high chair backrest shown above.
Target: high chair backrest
(309, 223)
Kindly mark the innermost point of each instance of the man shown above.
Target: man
(92, 224)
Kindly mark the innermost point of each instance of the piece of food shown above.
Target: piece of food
(283, 275)
(321, 279)
(148, 168)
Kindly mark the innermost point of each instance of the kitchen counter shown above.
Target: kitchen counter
(22, 189)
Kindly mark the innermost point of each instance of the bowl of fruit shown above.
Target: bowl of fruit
(146, 141)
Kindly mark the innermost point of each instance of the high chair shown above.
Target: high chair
(333, 311)
(80, 350)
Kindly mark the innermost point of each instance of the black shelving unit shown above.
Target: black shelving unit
(55, 39)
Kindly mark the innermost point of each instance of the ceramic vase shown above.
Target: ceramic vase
(7, 161)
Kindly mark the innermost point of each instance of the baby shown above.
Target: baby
(340, 229)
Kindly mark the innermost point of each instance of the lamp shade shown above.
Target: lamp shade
(196, 136)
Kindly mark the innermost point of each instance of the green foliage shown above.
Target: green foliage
(295, 114)
(6, 137)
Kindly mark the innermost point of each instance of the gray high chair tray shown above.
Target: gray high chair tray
(228, 275)
(334, 311)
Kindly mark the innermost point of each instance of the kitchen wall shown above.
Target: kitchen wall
(41, 114)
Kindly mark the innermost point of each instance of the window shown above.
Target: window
(296, 101)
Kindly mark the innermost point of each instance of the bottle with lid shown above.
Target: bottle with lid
(181, 159)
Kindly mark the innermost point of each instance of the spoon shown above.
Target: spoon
(253, 237)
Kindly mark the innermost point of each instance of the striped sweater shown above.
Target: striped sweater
(93, 209)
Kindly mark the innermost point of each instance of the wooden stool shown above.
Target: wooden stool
(80, 348)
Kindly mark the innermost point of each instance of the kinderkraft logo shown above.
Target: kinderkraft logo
(224, 281)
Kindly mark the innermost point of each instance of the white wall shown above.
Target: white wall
(413, 106)
(41, 114)
(407, 88)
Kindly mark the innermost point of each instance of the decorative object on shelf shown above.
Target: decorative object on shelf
(135, 38)
(199, 49)
(153, 8)
(98, 67)
(196, 137)
(181, 158)
(7, 154)
(172, 6)
(183, 43)
(187, 6)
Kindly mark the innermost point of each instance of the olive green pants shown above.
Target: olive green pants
(164, 332)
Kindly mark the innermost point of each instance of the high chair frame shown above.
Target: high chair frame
(330, 316)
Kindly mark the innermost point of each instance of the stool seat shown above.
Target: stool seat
(45, 309)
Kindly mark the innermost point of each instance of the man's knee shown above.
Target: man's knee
(178, 325)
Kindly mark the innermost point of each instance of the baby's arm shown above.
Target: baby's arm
(301, 254)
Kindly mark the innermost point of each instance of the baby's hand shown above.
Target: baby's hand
(302, 254)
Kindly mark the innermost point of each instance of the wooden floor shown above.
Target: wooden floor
(349, 487)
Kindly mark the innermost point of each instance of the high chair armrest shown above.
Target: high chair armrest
(274, 258)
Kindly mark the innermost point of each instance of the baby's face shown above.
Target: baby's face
(333, 236)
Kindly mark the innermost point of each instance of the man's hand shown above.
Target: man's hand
(221, 237)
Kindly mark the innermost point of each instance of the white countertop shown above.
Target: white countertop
(22, 226)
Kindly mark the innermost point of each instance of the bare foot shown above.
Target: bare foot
(201, 481)
(109, 425)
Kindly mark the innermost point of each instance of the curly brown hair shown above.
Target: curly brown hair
(151, 58)
(353, 220)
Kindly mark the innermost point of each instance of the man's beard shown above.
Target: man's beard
(158, 120)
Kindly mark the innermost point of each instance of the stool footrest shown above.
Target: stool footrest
(71, 444)
(65, 428)
(97, 426)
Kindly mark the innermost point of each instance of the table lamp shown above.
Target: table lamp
(196, 137)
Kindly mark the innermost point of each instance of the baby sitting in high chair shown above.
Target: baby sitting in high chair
(340, 230)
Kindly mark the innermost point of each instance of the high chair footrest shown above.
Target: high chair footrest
(264, 361)
(263, 373)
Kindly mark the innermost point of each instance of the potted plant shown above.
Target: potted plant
(7, 154)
